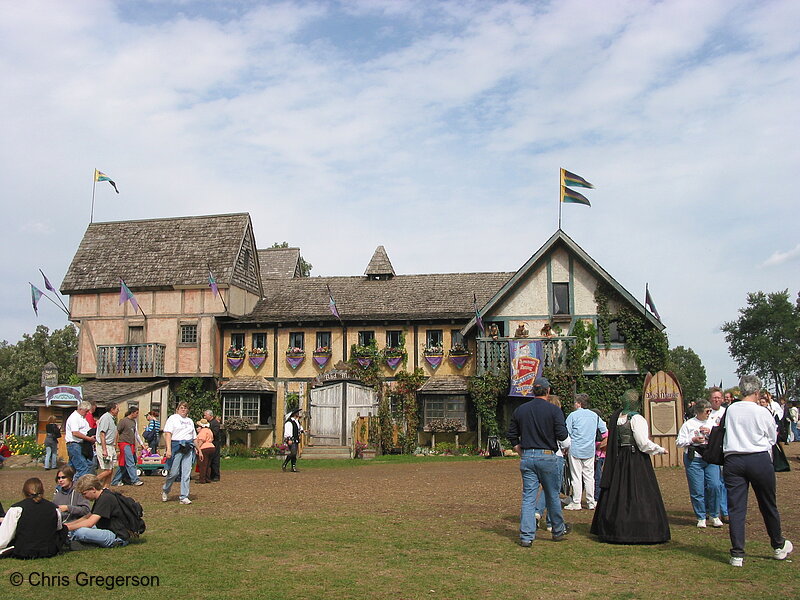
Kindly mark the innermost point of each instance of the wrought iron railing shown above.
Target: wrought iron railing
(130, 360)
(493, 353)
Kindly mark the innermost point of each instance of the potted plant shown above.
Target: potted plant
(365, 355)
(322, 355)
(394, 355)
(434, 354)
(236, 357)
(295, 356)
(459, 355)
(257, 357)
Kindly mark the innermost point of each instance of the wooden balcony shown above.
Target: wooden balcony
(130, 361)
(493, 353)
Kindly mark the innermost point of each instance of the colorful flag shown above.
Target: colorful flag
(36, 295)
(648, 301)
(572, 197)
(212, 283)
(126, 294)
(478, 318)
(47, 283)
(332, 304)
(100, 176)
(573, 180)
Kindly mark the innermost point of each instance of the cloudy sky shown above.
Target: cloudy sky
(434, 128)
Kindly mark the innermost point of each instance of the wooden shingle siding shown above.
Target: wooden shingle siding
(246, 272)
(403, 297)
(158, 254)
(279, 263)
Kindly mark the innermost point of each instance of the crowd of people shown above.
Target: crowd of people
(610, 467)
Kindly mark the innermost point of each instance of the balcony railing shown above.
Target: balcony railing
(493, 354)
(130, 360)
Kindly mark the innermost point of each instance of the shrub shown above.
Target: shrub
(24, 445)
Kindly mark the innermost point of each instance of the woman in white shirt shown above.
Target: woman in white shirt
(703, 478)
(179, 438)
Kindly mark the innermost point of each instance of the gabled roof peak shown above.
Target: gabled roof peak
(380, 267)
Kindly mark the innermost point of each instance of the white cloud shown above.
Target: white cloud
(779, 258)
(436, 129)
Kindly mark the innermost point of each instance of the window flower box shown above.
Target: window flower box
(295, 357)
(322, 355)
(393, 356)
(434, 355)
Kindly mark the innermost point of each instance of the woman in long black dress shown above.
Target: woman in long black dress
(630, 510)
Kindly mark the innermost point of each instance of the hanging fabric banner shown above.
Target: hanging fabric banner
(525, 360)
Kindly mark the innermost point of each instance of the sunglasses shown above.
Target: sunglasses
(62, 477)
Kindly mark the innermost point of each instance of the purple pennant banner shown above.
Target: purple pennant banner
(393, 361)
(434, 360)
(364, 362)
(322, 359)
(235, 363)
(459, 360)
(295, 361)
(257, 361)
(525, 364)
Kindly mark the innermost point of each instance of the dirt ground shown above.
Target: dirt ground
(486, 491)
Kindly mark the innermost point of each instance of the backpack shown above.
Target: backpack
(149, 435)
(132, 514)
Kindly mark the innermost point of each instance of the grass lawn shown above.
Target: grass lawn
(402, 528)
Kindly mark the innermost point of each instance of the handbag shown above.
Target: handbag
(713, 453)
(779, 462)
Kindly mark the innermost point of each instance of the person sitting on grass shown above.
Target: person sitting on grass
(69, 501)
(33, 525)
(104, 526)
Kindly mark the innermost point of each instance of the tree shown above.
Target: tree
(765, 340)
(21, 364)
(689, 370)
(305, 266)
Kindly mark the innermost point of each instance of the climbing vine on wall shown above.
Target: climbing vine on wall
(398, 410)
(485, 392)
(648, 346)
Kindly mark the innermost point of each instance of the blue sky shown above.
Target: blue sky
(434, 128)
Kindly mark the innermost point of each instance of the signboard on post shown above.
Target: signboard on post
(662, 398)
(63, 395)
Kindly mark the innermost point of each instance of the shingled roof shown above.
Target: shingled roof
(106, 390)
(279, 263)
(159, 253)
(433, 296)
(380, 265)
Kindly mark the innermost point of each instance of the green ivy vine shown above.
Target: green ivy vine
(402, 397)
(485, 392)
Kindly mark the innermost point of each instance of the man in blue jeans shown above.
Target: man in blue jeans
(104, 526)
(76, 432)
(536, 431)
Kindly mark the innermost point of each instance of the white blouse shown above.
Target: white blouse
(640, 434)
(690, 429)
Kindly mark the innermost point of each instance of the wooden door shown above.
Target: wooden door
(325, 421)
(360, 400)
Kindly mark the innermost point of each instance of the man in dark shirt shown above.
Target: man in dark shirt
(214, 424)
(104, 525)
(536, 431)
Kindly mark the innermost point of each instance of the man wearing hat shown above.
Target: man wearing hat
(291, 437)
(536, 431)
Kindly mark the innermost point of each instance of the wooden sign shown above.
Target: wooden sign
(662, 400)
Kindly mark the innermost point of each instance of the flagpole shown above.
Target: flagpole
(94, 185)
(64, 310)
(560, 190)
(49, 286)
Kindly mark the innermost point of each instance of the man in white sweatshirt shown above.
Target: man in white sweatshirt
(750, 433)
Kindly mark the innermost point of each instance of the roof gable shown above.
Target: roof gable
(559, 238)
(279, 263)
(161, 254)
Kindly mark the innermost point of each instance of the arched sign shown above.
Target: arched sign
(662, 398)
(63, 395)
